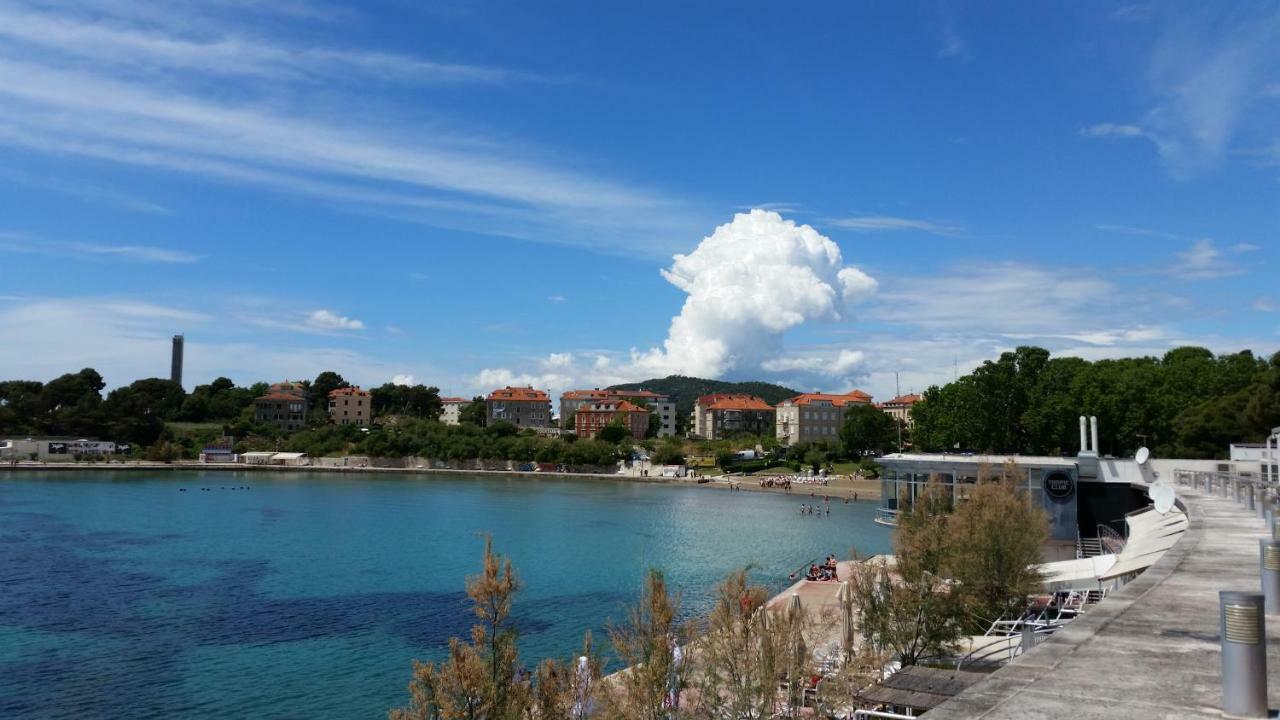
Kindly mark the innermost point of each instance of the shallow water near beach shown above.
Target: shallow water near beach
(308, 595)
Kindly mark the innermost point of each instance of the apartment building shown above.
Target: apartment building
(350, 406)
(590, 419)
(899, 408)
(720, 415)
(657, 403)
(451, 410)
(284, 405)
(522, 407)
(814, 417)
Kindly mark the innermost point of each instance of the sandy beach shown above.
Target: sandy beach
(839, 487)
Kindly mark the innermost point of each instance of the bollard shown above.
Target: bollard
(1244, 654)
(1252, 501)
(1028, 638)
(1270, 550)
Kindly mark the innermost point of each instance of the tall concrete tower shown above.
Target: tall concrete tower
(175, 366)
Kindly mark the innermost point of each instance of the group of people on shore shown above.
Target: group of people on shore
(826, 572)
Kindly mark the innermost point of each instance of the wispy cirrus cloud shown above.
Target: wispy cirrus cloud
(15, 242)
(1133, 230)
(1112, 130)
(85, 191)
(231, 54)
(153, 100)
(137, 252)
(1203, 261)
(885, 223)
(1208, 70)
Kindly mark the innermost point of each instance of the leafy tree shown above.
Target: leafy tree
(411, 400)
(868, 429)
(474, 413)
(614, 432)
(995, 539)
(646, 643)
(1186, 403)
(318, 395)
(480, 679)
(668, 453)
(743, 652)
(907, 611)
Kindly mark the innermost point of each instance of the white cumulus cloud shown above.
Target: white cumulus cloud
(748, 283)
(329, 320)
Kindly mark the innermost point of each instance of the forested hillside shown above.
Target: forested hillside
(685, 390)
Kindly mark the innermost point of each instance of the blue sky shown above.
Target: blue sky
(470, 194)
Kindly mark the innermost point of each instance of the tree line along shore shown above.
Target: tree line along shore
(1187, 403)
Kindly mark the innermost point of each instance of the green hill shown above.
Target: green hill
(685, 390)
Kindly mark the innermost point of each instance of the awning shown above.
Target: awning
(1150, 536)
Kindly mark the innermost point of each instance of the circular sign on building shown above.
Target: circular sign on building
(1059, 485)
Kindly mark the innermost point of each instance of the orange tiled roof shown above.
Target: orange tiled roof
(353, 391)
(280, 396)
(453, 400)
(855, 397)
(519, 394)
(612, 407)
(911, 399)
(585, 394)
(733, 401)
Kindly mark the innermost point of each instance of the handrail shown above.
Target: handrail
(865, 714)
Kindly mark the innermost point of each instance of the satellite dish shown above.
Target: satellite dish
(1142, 456)
(1162, 497)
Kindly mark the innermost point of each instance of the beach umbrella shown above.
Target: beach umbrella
(582, 694)
(846, 620)
(672, 699)
(795, 690)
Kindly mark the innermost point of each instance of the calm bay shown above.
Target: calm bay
(308, 594)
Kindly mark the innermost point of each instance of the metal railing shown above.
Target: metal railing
(887, 516)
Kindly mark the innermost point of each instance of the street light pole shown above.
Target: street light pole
(897, 389)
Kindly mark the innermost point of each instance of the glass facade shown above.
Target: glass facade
(904, 479)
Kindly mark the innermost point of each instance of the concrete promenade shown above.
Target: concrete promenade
(1150, 650)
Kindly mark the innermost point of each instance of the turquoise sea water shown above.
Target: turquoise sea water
(308, 595)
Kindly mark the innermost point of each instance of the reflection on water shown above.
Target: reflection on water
(308, 595)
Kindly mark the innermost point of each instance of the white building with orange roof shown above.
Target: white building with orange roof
(720, 415)
(451, 409)
(813, 417)
(520, 406)
(899, 408)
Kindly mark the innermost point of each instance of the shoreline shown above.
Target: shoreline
(863, 490)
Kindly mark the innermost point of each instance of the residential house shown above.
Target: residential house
(720, 415)
(590, 419)
(451, 413)
(284, 405)
(814, 417)
(657, 403)
(899, 408)
(350, 406)
(522, 407)
(573, 399)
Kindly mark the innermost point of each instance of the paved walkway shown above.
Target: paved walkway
(1148, 651)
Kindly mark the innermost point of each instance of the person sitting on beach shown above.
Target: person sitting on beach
(814, 573)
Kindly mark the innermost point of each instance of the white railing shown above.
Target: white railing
(867, 714)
